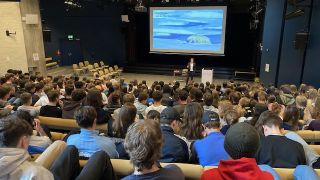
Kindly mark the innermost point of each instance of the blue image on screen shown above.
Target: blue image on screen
(195, 30)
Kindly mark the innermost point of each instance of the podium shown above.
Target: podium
(207, 75)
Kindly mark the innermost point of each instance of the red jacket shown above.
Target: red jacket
(242, 169)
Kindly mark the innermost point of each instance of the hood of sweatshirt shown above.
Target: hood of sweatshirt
(244, 168)
(10, 159)
(70, 105)
(287, 99)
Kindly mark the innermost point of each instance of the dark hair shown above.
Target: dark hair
(191, 126)
(127, 115)
(142, 97)
(39, 86)
(269, 119)
(29, 86)
(128, 98)
(4, 90)
(291, 115)
(208, 99)
(25, 98)
(235, 97)
(78, 84)
(143, 143)
(183, 95)
(153, 114)
(94, 98)
(85, 116)
(231, 117)
(78, 94)
(69, 89)
(258, 109)
(25, 115)
(12, 129)
(157, 96)
(53, 95)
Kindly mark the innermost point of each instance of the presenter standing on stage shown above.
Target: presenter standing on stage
(191, 70)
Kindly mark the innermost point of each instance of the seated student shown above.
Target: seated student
(174, 149)
(44, 98)
(88, 141)
(51, 109)
(127, 98)
(231, 117)
(67, 93)
(5, 107)
(26, 101)
(143, 143)
(14, 140)
(141, 104)
(153, 114)
(241, 143)
(157, 97)
(183, 96)
(291, 118)
(30, 87)
(114, 102)
(94, 98)
(275, 149)
(209, 150)
(39, 140)
(208, 100)
(69, 107)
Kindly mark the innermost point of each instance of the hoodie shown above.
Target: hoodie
(14, 165)
(286, 99)
(69, 108)
(244, 169)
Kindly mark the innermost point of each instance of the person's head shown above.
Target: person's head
(211, 121)
(115, 98)
(170, 116)
(26, 99)
(262, 97)
(153, 114)
(143, 143)
(301, 102)
(231, 117)
(5, 92)
(268, 123)
(157, 96)
(30, 87)
(127, 116)
(224, 106)
(78, 94)
(53, 96)
(258, 109)
(128, 98)
(183, 95)
(39, 87)
(142, 98)
(191, 127)
(241, 140)
(191, 60)
(94, 98)
(79, 84)
(208, 99)
(14, 132)
(235, 97)
(86, 117)
(25, 115)
(68, 89)
(291, 115)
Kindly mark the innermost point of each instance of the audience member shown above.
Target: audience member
(51, 109)
(26, 101)
(70, 106)
(157, 97)
(191, 126)
(183, 96)
(143, 143)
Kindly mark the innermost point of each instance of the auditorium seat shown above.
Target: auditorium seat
(103, 66)
(86, 63)
(66, 124)
(91, 69)
(96, 66)
(308, 136)
(82, 66)
(76, 69)
(112, 72)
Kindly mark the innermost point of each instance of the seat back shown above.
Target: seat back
(75, 66)
(86, 63)
(81, 65)
(90, 67)
(96, 65)
(101, 63)
(66, 124)
(111, 69)
(116, 67)
(106, 71)
(101, 73)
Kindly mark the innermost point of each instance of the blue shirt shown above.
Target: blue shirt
(210, 150)
(88, 142)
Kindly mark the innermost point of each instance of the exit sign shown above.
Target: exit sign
(70, 37)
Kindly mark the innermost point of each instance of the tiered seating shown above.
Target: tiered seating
(66, 124)
(102, 70)
(309, 136)
(50, 63)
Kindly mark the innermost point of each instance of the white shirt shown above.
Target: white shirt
(42, 101)
(191, 66)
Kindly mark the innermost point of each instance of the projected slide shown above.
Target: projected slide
(195, 30)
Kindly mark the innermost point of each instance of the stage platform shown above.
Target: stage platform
(129, 76)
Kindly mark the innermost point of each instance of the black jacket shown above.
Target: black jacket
(174, 149)
(280, 152)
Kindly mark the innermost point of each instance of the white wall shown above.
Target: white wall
(12, 48)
